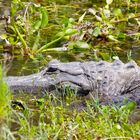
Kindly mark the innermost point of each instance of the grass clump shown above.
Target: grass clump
(4, 97)
(50, 118)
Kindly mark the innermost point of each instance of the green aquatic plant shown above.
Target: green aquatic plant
(110, 25)
(4, 97)
(28, 20)
(34, 29)
(27, 25)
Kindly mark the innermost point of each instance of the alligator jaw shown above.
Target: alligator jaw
(33, 84)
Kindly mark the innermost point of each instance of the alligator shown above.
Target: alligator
(111, 82)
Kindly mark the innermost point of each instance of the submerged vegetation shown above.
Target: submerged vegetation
(36, 27)
(40, 26)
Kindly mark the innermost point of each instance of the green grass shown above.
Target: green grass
(50, 118)
(4, 97)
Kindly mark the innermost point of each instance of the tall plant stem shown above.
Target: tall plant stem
(21, 38)
(49, 44)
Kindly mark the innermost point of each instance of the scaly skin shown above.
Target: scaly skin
(98, 78)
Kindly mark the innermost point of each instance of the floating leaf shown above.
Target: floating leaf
(78, 45)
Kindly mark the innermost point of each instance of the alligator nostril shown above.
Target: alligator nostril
(105, 77)
(104, 83)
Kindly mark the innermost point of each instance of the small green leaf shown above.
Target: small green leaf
(37, 25)
(112, 38)
(117, 12)
(105, 56)
(3, 36)
(121, 36)
(83, 45)
(78, 45)
(71, 45)
(71, 20)
(44, 17)
(130, 106)
(70, 31)
(96, 32)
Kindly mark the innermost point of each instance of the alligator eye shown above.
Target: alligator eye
(51, 69)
